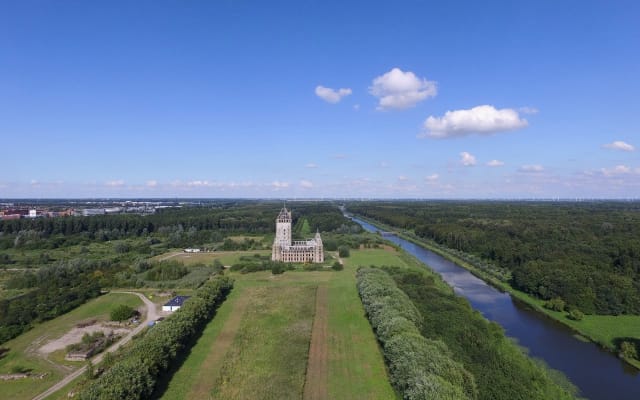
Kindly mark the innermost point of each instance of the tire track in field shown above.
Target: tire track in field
(211, 366)
(315, 386)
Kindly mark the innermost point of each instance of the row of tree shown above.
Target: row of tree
(420, 368)
(135, 375)
(587, 254)
(500, 369)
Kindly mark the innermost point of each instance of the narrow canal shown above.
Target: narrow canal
(597, 373)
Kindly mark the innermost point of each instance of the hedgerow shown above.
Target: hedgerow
(420, 368)
(135, 375)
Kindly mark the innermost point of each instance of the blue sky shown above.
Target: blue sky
(415, 99)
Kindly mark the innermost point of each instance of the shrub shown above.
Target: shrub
(121, 313)
(576, 315)
(343, 251)
(337, 266)
(628, 350)
(555, 304)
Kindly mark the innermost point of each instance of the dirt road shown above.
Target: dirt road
(315, 386)
(152, 315)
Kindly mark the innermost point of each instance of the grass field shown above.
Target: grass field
(269, 355)
(356, 368)
(225, 257)
(23, 349)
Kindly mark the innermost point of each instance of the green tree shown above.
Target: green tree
(121, 313)
(343, 251)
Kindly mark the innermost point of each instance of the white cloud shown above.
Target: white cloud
(399, 90)
(306, 184)
(619, 145)
(339, 156)
(495, 163)
(432, 178)
(356, 107)
(467, 159)
(528, 110)
(485, 119)
(531, 168)
(311, 165)
(617, 170)
(384, 164)
(152, 183)
(403, 178)
(115, 183)
(331, 95)
(280, 185)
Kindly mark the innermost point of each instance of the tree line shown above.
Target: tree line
(586, 254)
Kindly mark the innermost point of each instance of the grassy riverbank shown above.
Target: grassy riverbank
(605, 330)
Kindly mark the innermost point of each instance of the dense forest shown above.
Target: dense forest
(584, 256)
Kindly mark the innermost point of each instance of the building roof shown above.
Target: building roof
(177, 301)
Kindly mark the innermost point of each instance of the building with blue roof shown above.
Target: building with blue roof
(175, 303)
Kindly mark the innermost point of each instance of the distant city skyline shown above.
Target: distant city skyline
(317, 99)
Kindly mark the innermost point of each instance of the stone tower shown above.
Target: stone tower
(283, 227)
(318, 256)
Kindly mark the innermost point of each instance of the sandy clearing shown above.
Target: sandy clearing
(315, 387)
(75, 336)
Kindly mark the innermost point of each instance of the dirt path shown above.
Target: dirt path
(152, 315)
(210, 368)
(315, 386)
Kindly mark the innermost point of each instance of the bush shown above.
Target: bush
(628, 350)
(167, 271)
(555, 304)
(122, 313)
(277, 269)
(337, 266)
(343, 251)
(576, 315)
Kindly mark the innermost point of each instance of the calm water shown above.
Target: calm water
(597, 373)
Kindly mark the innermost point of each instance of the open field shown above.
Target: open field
(225, 257)
(24, 349)
(354, 365)
(269, 355)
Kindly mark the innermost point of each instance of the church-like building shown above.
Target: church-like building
(297, 251)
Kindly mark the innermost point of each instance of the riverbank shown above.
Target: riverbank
(603, 330)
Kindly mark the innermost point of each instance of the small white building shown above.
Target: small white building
(174, 304)
(192, 250)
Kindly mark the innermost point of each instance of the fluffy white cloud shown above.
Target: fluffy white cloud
(403, 178)
(152, 183)
(485, 119)
(280, 185)
(432, 178)
(528, 110)
(331, 95)
(398, 90)
(531, 168)
(619, 145)
(617, 170)
(495, 163)
(115, 183)
(467, 159)
(311, 165)
(306, 184)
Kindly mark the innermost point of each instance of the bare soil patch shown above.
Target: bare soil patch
(75, 336)
(315, 387)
